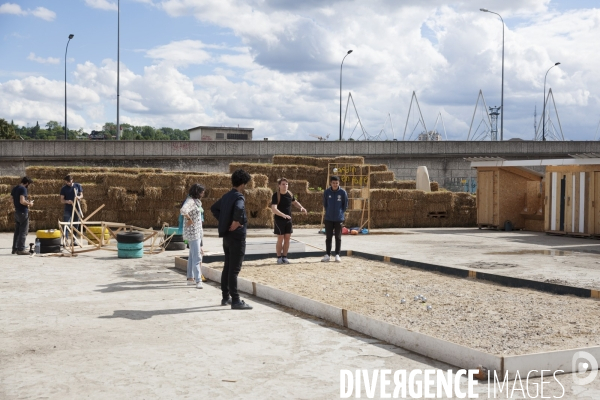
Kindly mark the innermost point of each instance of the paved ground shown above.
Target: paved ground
(95, 326)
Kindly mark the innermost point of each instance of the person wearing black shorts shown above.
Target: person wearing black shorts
(281, 205)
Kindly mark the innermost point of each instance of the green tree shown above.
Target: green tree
(7, 131)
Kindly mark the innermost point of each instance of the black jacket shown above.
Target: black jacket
(229, 208)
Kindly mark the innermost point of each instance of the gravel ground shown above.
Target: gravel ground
(485, 316)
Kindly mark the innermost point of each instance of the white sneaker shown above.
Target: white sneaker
(337, 258)
(199, 285)
(325, 258)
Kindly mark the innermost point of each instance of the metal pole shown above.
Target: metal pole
(118, 62)
(349, 51)
(66, 49)
(544, 112)
(502, 87)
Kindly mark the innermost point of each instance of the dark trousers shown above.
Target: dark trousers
(234, 249)
(21, 229)
(330, 227)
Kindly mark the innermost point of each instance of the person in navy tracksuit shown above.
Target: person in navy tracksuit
(335, 202)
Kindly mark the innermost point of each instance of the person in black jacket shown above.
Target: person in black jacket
(230, 211)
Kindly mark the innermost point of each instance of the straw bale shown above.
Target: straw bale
(168, 216)
(217, 193)
(162, 180)
(297, 185)
(379, 204)
(258, 181)
(381, 176)
(136, 171)
(6, 189)
(116, 193)
(434, 186)
(354, 193)
(397, 185)
(151, 192)
(407, 205)
(89, 177)
(52, 172)
(317, 177)
(46, 186)
(131, 182)
(211, 181)
(94, 191)
(258, 199)
(5, 225)
(439, 197)
(310, 218)
(353, 217)
(179, 193)
(10, 180)
(108, 216)
(312, 201)
(460, 200)
(129, 201)
(260, 219)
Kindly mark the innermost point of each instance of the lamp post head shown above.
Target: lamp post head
(557, 63)
(484, 10)
(350, 51)
(71, 36)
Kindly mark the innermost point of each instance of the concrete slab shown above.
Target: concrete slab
(98, 327)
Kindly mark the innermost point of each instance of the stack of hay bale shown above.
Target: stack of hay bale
(393, 203)
(143, 197)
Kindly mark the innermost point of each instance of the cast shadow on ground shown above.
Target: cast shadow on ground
(138, 315)
(132, 285)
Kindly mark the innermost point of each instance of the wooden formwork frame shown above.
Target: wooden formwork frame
(81, 230)
(350, 179)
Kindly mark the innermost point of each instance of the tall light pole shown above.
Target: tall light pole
(118, 62)
(502, 90)
(349, 51)
(67, 48)
(544, 112)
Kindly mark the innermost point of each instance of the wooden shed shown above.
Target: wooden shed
(510, 193)
(573, 192)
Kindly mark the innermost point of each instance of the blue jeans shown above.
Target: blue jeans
(21, 229)
(67, 218)
(194, 260)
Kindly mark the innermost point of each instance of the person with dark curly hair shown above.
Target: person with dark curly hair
(191, 210)
(230, 211)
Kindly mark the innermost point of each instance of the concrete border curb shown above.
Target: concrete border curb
(419, 343)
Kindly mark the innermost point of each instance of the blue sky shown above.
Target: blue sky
(274, 64)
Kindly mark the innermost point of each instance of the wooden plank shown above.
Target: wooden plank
(553, 197)
(582, 200)
(596, 190)
(547, 191)
(485, 197)
(569, 217)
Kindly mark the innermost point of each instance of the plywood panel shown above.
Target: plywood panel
(547, 194)
(596, 222)
(553, 197)
(569, 210)
(581, 201)
(485, 199)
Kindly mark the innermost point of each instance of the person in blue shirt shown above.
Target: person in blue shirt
(335, 202)
(67, 197)
(22, 204)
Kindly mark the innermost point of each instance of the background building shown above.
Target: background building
(220, 133)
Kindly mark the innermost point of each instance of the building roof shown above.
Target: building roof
(234, 128)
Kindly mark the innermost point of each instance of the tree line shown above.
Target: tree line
(53, 130)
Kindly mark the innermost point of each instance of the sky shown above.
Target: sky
(274, 65)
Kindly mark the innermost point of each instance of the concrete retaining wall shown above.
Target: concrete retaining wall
(444, 160)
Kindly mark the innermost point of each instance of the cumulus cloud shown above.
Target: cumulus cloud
(102, 5)
(15, 9)
(181, 53)
(41, 60)
(44, 13)
(283, 75)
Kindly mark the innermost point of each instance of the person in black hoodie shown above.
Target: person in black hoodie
(230, 211)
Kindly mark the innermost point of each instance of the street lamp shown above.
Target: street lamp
(66, 129)
(502, 90)
(544, 112)
(349, 51)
